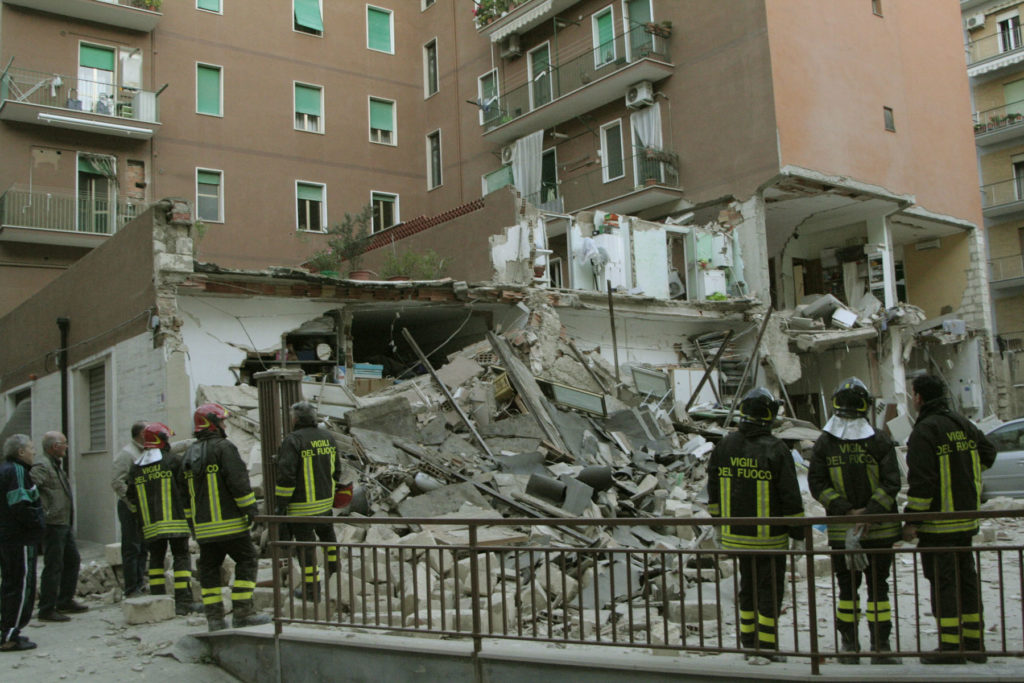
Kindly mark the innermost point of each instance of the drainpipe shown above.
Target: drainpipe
(64, 324)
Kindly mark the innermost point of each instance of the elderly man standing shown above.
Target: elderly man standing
(61, 560)
(21, 528)
(133, 550)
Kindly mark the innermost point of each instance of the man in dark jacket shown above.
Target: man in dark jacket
(61, 560)
(751, 474)
(854, 471)
(308, 471)
(222, 507)
(946, 454)
(22, 527)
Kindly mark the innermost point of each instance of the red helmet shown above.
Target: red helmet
(157, 435)
(209, 416)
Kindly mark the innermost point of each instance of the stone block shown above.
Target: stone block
(148, 609)
(112, 554)
(691, 611)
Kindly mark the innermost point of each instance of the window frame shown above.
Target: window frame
(605, 176)
(101, 89)
(220, 88)
(432, 43)
(374, 194)
(549, 153)
(323, 205)
(220, 5)
(480, 95)
(305, 31)
(1009, 39)
(426, 4)
(321, 124)
(391, 29)
(889, 119)
(631, 31)
(531, 77)
(220, 194)
(394, 121)
(876, 7)
(431, 185)
(596, 37)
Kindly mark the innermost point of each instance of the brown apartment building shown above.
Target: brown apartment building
(995, 67)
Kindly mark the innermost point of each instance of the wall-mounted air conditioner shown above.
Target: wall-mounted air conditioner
(506, 153)
(640, 95)
(510, 47)
(975, 21)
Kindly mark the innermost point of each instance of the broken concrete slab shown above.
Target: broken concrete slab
(378, 447)
(443, 501)
(577, 496)
(459, 371)
(148, 609)
(391, 416)
(521, 463)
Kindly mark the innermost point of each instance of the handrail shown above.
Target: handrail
(1006, 267)
(995, 45)
(64, 210)
(71, 93)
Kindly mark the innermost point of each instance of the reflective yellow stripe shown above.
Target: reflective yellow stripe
(765, 620)
(165, 498)
(766, 637)
(284, 491)
(181, 584)
(143, 503)
(738, 542)
(836, 475)
(763, 508)
(183, 572)
(950, 638)
(919, 504)
(190, 512)
(971, 633)
(170, 526)
(211, 485)
(245, 584)
(246, 500)
(976, 471)
(212, 599)
(311, 508)
(949, 622)
(308, 478)
(747, 627)
(945, 484)
(224, 528)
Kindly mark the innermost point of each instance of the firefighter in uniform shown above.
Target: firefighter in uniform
(222, 507)
(946, 454)
(751, 474)
(854, 471)
(155, 493)
(308, 472)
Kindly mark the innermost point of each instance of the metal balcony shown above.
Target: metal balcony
(53, 216)
(1006, 273)
(1004, 199)
(49, 99)
(577, 84)
(498, 19)
(135, 15)
(995, 52)
(999, 124)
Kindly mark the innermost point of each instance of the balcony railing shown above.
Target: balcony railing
(57, 210)
(1002, 43)
(1006, 267)
(574, 73)
(1002, 193)
(998, 118)
(78, 95)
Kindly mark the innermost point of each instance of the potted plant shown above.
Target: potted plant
(348, 240)
(153, 5)
(323, 261)
(414, 265)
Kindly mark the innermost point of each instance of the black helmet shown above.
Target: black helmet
(759, 406)
(851, 398)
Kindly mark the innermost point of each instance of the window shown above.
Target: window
(548, 177)
(379, 30)
(434, 160)
(540, 76)
(496, 180)
(876, 7)
(1013, 96)
(209, 6)
(604, 38)
(382, 121)
(96, 380)
(309, 108)
(487, 97)
(310, 213)
(555, 272)
(209, 98)
(95, 79)
(385, 210)
(890, 122)
(1009, 32)
(308, 17)
(209, 198)
(427, 4)
(612, 166)
(638, 14)
(430, 67)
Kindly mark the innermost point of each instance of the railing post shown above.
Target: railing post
(474, 585)
(812, 608)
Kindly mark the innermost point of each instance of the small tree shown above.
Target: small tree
(349, 238)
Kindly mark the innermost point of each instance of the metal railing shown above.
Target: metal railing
(1006, 267)
(78, 94)
(1007, 116)
(1002, 192)
(1001, 43)
(61, 210)
(488, 584)
(574, 73)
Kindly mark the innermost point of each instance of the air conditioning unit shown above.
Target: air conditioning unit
(976, 21)
(506, 153)
(640, 95)
(510, 47)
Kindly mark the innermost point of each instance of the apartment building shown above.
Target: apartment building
(995, 67)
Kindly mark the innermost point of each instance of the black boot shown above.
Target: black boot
(944, 656)
(244, 614)
(849, 644)
(215, 617)
(977, 647)
(883, 646)
(183, 604)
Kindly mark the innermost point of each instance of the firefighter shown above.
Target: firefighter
(222, 507)
(308, 472)
(854, 471)
(156, 495)
(946, 454)
(751, 474)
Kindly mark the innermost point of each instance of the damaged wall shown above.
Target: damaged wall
(937, 278)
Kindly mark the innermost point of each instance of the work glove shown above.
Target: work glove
(857, 562)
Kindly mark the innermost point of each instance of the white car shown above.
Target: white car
(1006, 476)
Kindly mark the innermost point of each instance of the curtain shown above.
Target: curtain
(527, 164)
(647, 133)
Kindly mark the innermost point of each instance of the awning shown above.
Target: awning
(519, 23)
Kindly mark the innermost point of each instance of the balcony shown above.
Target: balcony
(994, 53)
(1000, 124)
(498, 19)
(52, 216)
(49, 99)
(1004, 199)
(1006, 274)
(578, 84)
(134, 15)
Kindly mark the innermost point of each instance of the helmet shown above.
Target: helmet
(209, 416)
(758, 406)
(851, 398)
(156, 435)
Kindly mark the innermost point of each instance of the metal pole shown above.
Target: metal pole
(704, 362)
(743, 379)
(64, 325)
(708, 369)
(590, 370)
(615, 346)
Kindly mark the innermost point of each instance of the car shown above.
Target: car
(1006, 476)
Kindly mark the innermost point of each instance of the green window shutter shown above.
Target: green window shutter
(212, 5)
(307, 100)
(489, 87)
(605, 33)
(307, 14)
(1013, 94)
(208, 177)
(311, 192)
(96, 57)
(381, 115)
(613, 151)
(639, 11)
(85, 165)
(378, 29)
(208, 90)
(499, 179)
